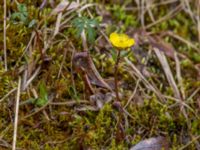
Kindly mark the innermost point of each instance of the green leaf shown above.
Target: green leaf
(114, 54)
(28, 101)
(25, 14)
(21, 7)
(21, 15)
(78, 24)
(43, 91)
(23, 18)
(32, 23)
(79, 31)
(16, 16)
(196, 57)
(124, 53)
(73, 93)
(40, 102)
(93, 23)
(43, 97)
(88, 25)
(91, 34)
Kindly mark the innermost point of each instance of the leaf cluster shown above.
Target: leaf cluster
(21, 16)
(84, 24)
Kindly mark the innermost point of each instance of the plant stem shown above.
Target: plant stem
(116, 75)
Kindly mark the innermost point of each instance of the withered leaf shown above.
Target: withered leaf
(154, 143)
(64, 5)
(99, 99)
(83, 64)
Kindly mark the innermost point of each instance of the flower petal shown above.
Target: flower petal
(121, 40)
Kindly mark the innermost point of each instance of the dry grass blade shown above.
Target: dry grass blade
(169, 15)
(62, 63)
(51, 97)
(86, 6)
(166, 2)
(31, 78)
(170, 79)
(149, 3)
(168, 72)
(59, 17)
(167, 48)
(178, 74)
(190, 44)
(59, 10)
(146, 82)
(4, 37)
(189, 143)
(8, 94)
(187, 9)
(178, 103)
(64, 5)
(132, 96)
(86, 108)
(16, 115)
(142, 13)
(145, 6)
(27, 47)
(5, 144)
(70, 103)
(198, 18)
(193, 94)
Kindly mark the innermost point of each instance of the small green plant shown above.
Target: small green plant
(83, 24)
(43, 97)
(21, 16)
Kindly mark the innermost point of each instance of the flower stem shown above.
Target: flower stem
(116, 75)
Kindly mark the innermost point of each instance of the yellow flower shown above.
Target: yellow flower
(121, 40)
